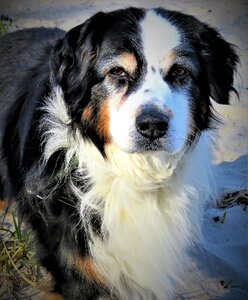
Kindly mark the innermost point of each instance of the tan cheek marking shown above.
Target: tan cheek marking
(103, 122)
(128, 61)
(87, 113)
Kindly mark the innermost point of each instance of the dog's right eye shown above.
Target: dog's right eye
(118, 71)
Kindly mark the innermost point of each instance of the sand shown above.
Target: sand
(223, 260)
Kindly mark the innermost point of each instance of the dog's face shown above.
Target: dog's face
(142, 80)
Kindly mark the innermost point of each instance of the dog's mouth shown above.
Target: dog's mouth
(143, 144)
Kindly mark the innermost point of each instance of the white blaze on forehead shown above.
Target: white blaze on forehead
(159, 40)
(159, 37)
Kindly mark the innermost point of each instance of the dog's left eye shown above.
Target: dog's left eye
(177, 75)
(118, 71)
(178, 71)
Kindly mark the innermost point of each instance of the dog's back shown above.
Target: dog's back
(22, 52)
(24, 66)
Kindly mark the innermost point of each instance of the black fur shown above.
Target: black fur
(218, 58)
(32, 61)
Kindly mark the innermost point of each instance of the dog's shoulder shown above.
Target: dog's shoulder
(30, 36)
(23, 50)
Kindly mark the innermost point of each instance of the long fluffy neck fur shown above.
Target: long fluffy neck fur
(150, 206)
(151, 214)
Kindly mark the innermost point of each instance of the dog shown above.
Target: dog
(102, 132)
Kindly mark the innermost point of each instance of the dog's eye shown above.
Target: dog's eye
(177, 75)
(118, 71)
(178, 71)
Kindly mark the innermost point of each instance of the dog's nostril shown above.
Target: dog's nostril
(152, 125)
(162, 126)
(143, 126)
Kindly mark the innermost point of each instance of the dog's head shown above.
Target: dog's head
(142, 79)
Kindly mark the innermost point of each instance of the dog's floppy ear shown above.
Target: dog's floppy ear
(220, 61)
(73, 58)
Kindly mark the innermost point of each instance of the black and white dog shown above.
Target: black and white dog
(102, 147)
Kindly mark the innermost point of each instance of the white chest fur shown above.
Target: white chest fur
(151, 207)
(151, 212)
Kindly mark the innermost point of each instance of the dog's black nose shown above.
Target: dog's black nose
(152, 125)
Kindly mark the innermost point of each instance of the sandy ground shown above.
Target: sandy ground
(223, 261)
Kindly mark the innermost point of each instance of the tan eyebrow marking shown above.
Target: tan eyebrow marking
(128, 61)
(168, 60)
(103, 122)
